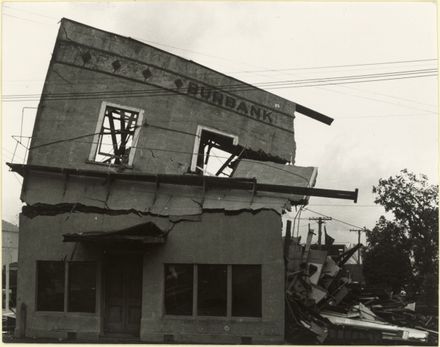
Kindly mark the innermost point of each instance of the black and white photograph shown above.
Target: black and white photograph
(220, 172)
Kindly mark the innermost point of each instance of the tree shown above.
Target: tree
(387, 259)
(414, 204)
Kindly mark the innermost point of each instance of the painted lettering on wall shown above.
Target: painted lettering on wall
(219, 98)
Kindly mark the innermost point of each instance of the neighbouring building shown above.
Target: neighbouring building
(153, 194)
(9, 264)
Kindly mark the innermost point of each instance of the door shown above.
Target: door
(123, 294)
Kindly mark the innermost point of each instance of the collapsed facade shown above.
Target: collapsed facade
(153, 193)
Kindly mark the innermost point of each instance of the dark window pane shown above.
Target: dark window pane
(50, 292)
(82, 287)
(212, 290)
(246, 290)
(179, 289)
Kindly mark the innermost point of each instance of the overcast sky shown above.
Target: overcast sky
(380, 127)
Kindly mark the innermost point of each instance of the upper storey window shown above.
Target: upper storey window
(215, 153)
(116, 134)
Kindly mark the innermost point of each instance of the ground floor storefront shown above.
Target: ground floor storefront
(214, 278)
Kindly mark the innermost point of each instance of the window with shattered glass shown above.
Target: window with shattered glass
(215, 153)
(116, 136)
(218, 154)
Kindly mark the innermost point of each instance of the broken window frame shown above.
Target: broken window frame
(66, 285)
(118, 158)
(229, 292)
(200, 158)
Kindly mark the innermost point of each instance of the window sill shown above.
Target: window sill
(214, 318)
(113, 166)
(63, 314)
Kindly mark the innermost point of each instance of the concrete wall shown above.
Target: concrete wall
(69, 115)
(244, 238)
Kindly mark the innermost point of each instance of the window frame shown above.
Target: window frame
(200, 129)
(99, 125)
(228, 315)
(66, 288)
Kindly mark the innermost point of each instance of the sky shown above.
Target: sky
(383, 123)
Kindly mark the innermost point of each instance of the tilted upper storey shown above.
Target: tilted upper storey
(116, 101)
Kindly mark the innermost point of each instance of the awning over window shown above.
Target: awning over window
(147, 233)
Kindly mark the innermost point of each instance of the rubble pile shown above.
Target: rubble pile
(325, 305)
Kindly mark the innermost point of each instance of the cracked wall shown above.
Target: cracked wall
(83, 73)
(210, 239)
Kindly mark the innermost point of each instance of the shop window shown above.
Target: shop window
(52, 293)
(116, 135)
(212, 290)
(219, 290)
(179, 289)
(215, 153)
(50, 286)
(246, 291)
(82, 287)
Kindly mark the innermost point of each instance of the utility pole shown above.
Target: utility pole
(321, 221)
(359, 231)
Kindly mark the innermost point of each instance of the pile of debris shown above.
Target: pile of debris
(325, 305)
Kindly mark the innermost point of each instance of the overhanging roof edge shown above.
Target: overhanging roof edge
(194, 180)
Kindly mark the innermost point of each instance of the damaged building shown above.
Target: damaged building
(153, 195)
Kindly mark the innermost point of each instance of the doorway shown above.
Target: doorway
(123, 294)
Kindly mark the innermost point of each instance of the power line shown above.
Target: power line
(338, 66)
(307, 68)
(339, 220)
(250, 71)
(74, 139)
(25, 19)
(31, 12)
(390, 116)
(236, 87)
(391, 96)
(344, 205)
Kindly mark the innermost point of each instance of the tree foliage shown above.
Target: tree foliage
(414, 230)
(387, 259)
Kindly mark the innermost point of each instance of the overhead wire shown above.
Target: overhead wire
(300, 68)
(27, 11)
(338, 66)
(335, 219)
(226, 88)
(74, 139)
